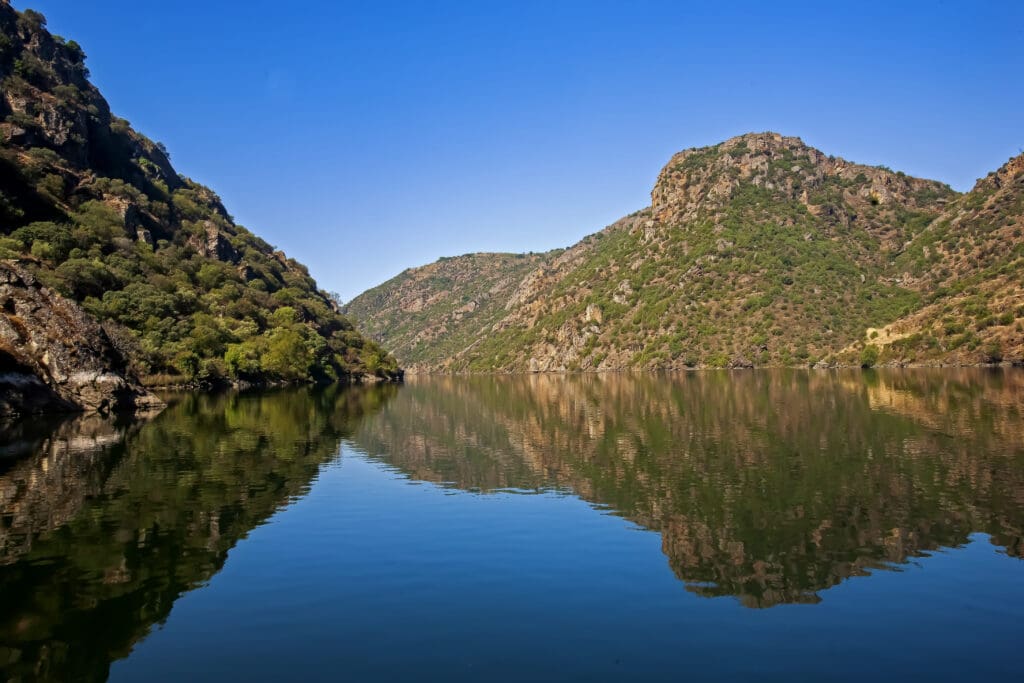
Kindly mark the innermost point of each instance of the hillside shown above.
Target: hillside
(438, 310)
(761, 251)
(969, 265)
(97, 214)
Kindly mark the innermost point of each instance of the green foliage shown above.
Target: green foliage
(993, 352)
(32, 70)
(756, 277)
(450, 283)
(286, 356)
(151, 253)
(869, 356)
(771, 283)
(31, 20)
(75, 52)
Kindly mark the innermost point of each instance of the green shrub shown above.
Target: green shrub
(993, 352)
(869, 356)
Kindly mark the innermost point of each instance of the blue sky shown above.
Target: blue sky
(367, 138)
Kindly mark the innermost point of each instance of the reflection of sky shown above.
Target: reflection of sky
(379, 580)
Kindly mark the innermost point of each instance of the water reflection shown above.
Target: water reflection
(767, 486)
(106, 524)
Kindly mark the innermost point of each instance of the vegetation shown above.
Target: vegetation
(433, 312)
(756, 251)
(96, 211)
(969, 264)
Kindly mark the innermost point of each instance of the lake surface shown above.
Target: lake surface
(771, 526)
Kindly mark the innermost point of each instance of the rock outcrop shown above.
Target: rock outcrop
(55, 357)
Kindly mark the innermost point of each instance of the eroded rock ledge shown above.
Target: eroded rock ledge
(54, 357)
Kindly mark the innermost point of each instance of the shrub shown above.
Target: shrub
(31, 20)
(993, 352)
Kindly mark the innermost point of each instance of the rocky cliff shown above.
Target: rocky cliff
(763, 251)
(95, 214)
(54, 356)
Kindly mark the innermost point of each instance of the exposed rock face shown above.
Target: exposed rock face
(75, 120)
(54, 356)
(698, 182)
(215, 244)
(973, 255)
(708, 274)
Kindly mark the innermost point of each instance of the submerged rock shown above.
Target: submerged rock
(54, 357)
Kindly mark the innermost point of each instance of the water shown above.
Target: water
(771, 526)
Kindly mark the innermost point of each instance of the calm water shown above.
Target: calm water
(770, 526)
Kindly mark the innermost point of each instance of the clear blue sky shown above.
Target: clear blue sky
(366, 138)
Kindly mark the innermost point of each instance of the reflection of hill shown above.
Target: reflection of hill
(69, 457)
(766, 486)
(135, 520)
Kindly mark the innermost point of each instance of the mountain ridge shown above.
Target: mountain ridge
(758, 251)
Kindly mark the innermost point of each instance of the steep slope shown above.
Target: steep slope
(96, 212)
(757, 251)
(970, 266)
(438, 310)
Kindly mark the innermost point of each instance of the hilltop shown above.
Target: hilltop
(758, 251)
(96, 217)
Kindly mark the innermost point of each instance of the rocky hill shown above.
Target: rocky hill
(96, 213)
(969, 267)
(761, 251)
(434, 312)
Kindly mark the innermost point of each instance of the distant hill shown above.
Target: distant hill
(758, 251)
(94, 211)
(430, 314)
